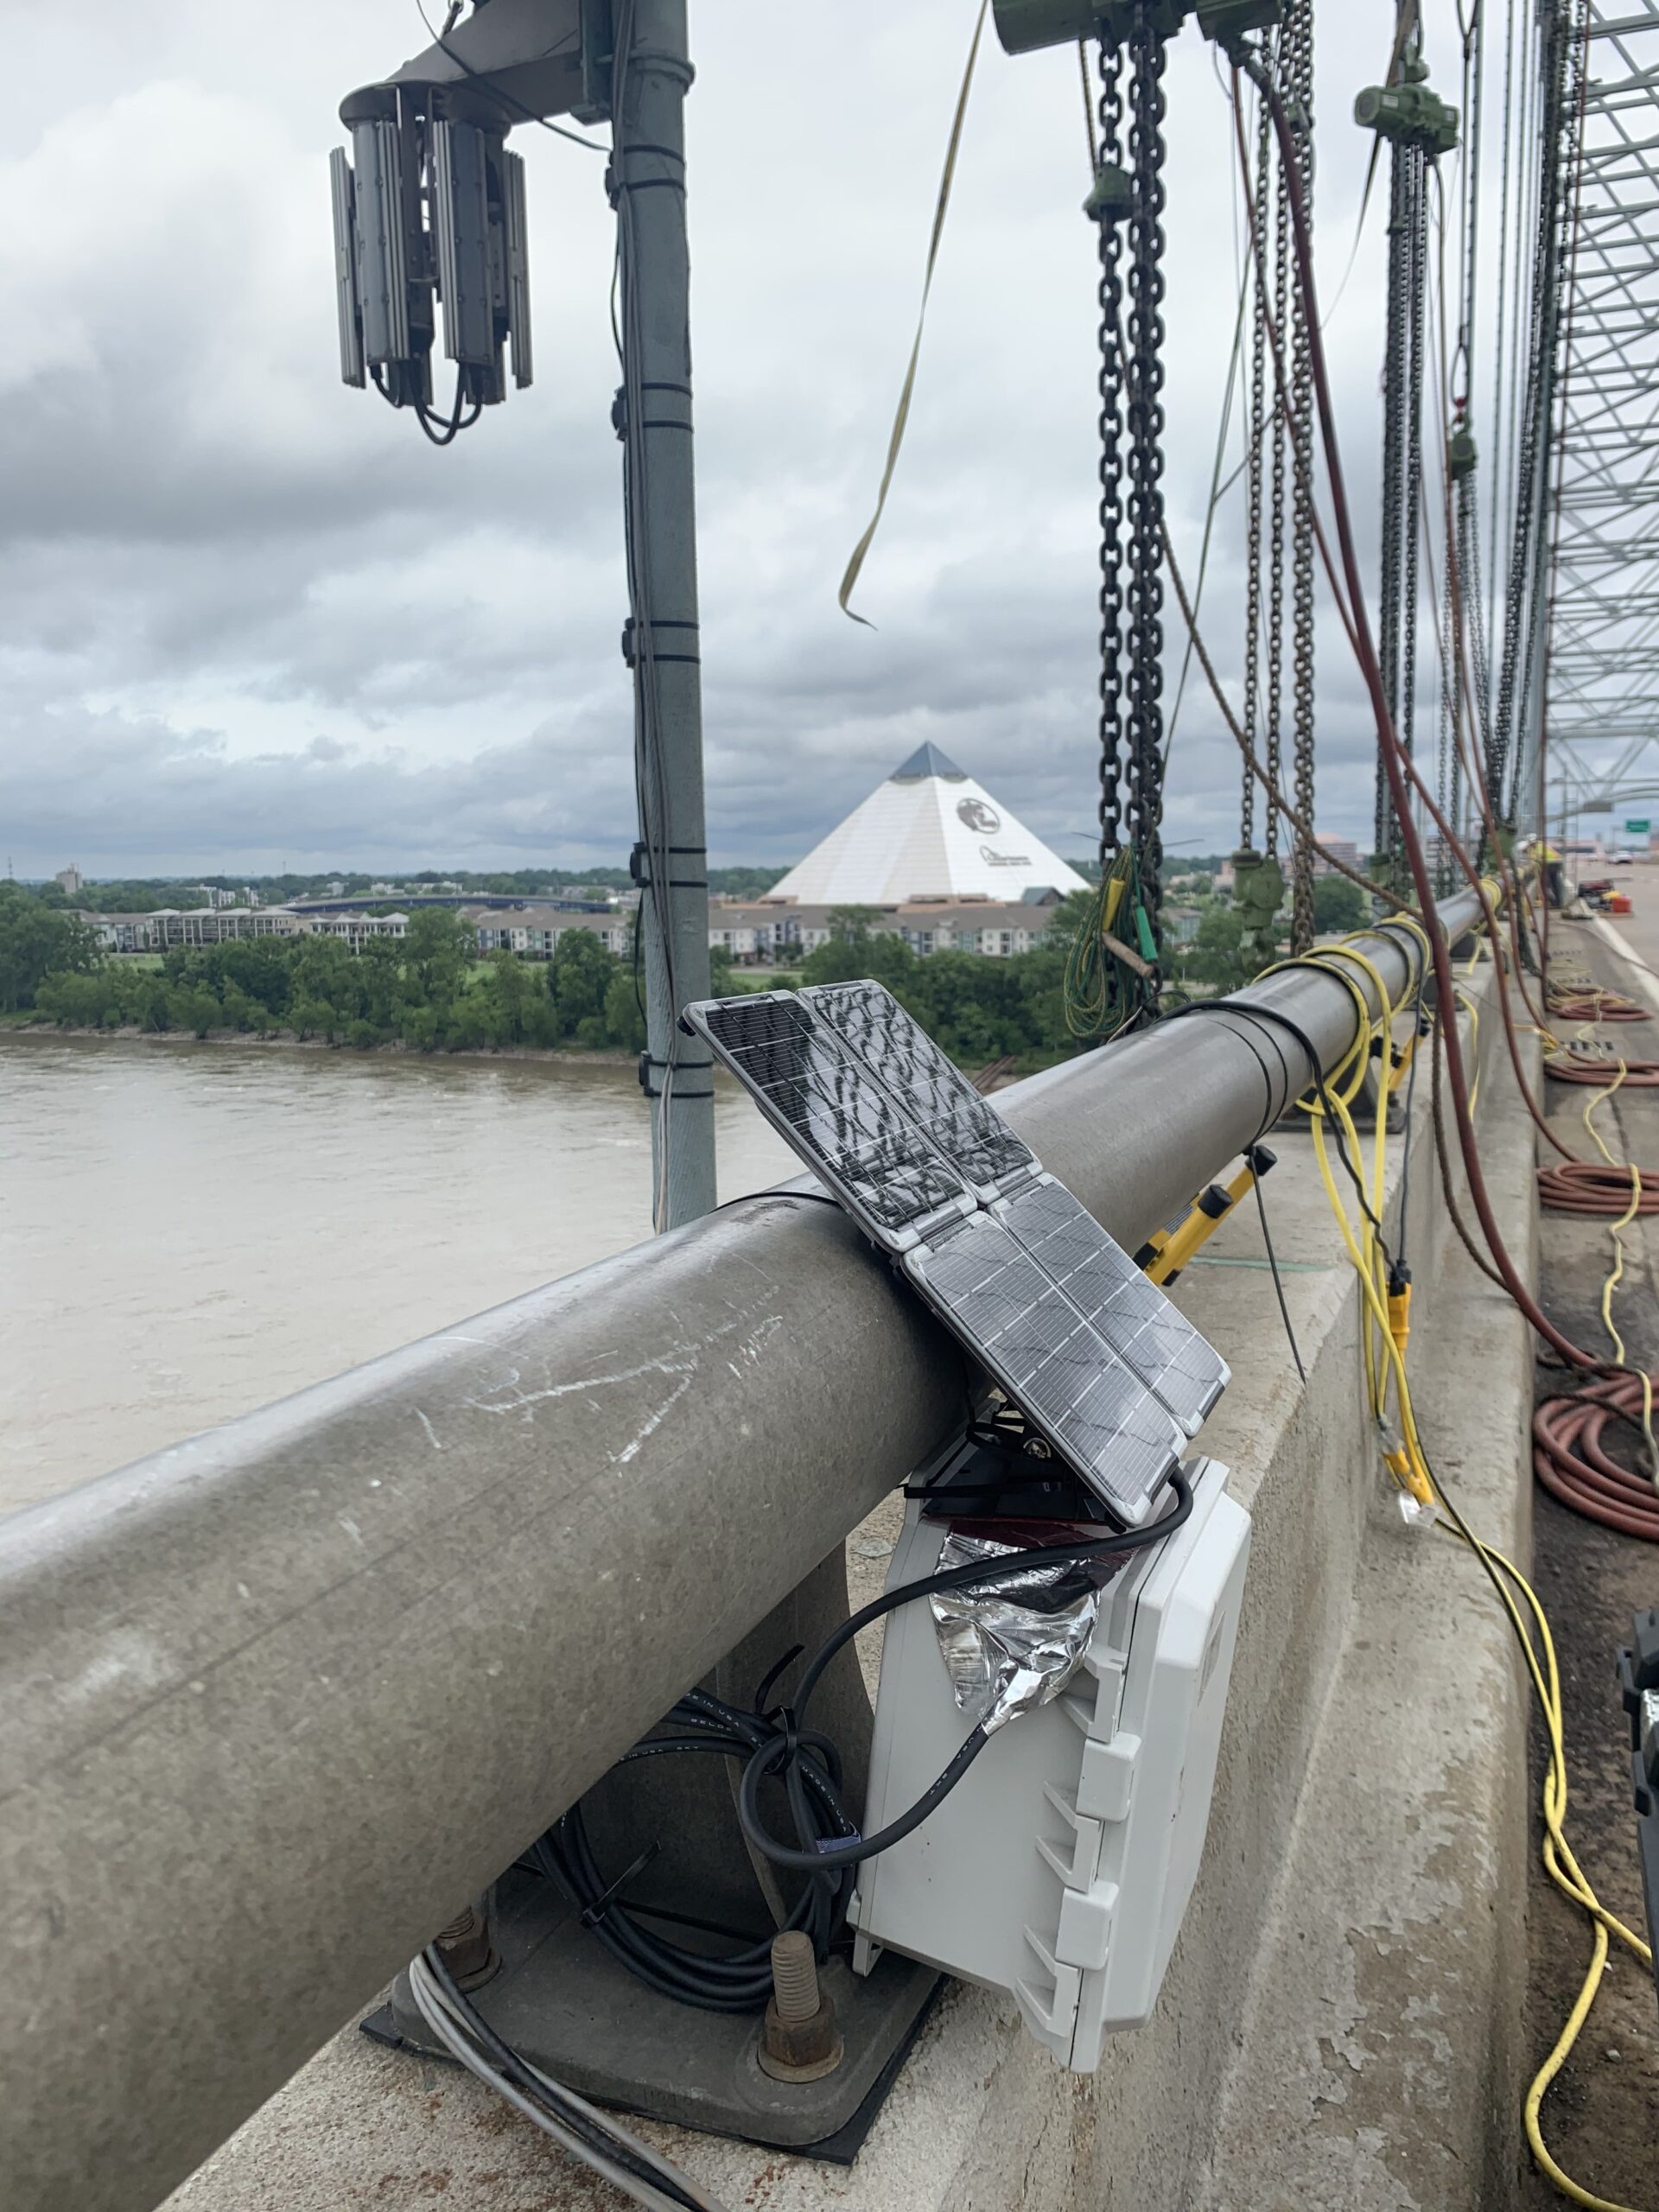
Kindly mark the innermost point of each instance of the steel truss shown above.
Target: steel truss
(1603, 651)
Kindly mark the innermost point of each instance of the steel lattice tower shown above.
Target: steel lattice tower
(1604, 649)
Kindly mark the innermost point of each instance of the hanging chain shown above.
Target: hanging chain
(1145, 810)
(1393, 389)
(1111, 475)
(1258, 438)
(1276, 715)
(1300, 74)
(1410, 521)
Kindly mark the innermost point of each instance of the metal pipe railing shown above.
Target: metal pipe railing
(274, 1703)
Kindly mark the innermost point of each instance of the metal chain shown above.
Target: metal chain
(1300, 25)
(1281, 232)
(1410, 521)
(1393, 386)
(1258, 436)
(1145, 810)
(1112, 541)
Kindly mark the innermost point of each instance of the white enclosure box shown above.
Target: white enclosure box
(1059, 1867)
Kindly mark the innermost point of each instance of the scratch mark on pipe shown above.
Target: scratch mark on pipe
(125, 1659)
(679, 1359)
(431, 1433)
(653, 1422)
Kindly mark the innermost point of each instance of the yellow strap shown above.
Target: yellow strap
(901, 421)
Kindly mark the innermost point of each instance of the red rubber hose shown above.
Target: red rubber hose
(1595, 1069)
(1587, 1186)
(1569, 1461)
(1596, 1006)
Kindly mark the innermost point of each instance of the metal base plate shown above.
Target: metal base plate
(563, 2001)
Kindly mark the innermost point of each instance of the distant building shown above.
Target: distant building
(770, 931)
(355, 929)
(535, 932)
(69, 880)
(194, 925)
(1334, 855)
(929, 832)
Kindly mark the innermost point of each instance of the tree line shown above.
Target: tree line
(429, 989)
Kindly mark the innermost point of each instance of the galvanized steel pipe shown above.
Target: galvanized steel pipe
(274, 1703)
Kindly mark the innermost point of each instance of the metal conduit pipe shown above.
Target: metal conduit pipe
(274, 1703)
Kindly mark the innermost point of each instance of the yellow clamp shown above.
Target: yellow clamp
(1166, 1251)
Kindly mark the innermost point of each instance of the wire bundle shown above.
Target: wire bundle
(599, 2142)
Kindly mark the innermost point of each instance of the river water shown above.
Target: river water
(187, 1231)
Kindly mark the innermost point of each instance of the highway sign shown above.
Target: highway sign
(1638, 828)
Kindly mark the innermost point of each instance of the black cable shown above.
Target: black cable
(524, 114)
(1411, 1094)
(778, 1191)
(1278, 1283)
(772, 1745)
(782, 1752)
(448, 431)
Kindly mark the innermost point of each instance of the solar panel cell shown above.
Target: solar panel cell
(1093, 1410)
(1132, 1313)
(928, 1086)
(837, 1115)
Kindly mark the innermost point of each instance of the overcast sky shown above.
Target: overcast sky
(249, 619)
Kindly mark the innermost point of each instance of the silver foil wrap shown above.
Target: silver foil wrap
(1012, 1648)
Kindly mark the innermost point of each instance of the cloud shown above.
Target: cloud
(247, 615)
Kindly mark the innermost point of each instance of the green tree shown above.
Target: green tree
(505, 995)
(193, 1007)
(1339, 905)
(78, 1001)
(379, 980)
(309, 1017)
(36, 942)
(860, 951)
(852, 923)
(1216, 959)
(437, 951)
(578, 976)
(625, 1025)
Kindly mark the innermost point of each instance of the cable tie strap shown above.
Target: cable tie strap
(602, 1904)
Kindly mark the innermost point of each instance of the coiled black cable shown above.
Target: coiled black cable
(772, 1745)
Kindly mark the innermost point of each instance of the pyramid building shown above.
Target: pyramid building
(929, 832)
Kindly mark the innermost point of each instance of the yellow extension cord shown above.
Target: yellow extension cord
(1385, 1362)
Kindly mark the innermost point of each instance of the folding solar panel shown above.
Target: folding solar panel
(1100, 1361)
(1153, 1336)
(824, 1102)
